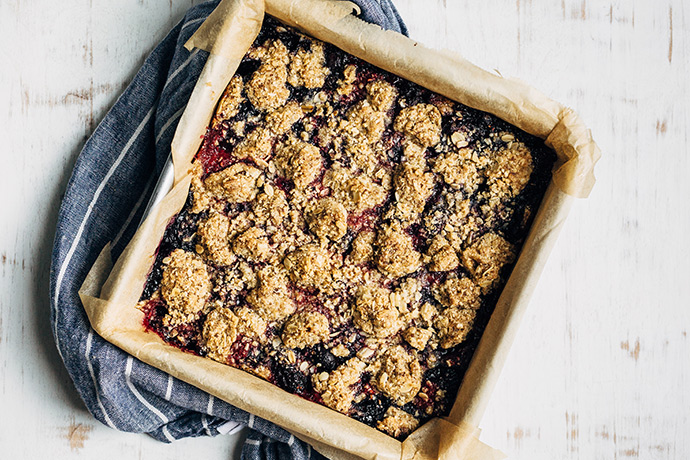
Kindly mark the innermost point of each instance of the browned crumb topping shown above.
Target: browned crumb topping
(443, 256)
(236, 184)
(461, 293)
(229, 104)
(428, 312)
(510, 170)
(485, 258)
(266, 89)
(381, 95)
(305, 329)
(271, 206)
(220, 331)
(213, 234)
(271, 298)
(307, 69)
(397, 422)
(281, 119)
(252, 245)
(201, 198)
(400, 375)
(458, 169)
(362, 247)
(328, 219)
(357, 193)
(345, 86)
(251, 323)
(421, 122)
(453, 325)
(413, 187)
(309, 266)
(299, 161)
(364, 122)
(375, 314)
(185, 285)
(396, 256)
(417, 337)
(336, 387)
(222, 328)
(258, 144)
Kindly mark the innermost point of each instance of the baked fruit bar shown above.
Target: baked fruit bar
(347, 233)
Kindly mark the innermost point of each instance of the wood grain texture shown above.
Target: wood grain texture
(600, 368)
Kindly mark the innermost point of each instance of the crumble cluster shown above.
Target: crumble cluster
(347, 233)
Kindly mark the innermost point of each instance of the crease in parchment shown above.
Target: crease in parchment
(226, 35)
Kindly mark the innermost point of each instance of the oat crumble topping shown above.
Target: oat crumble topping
(396, 422)
(185, 286)
(400, 376)
(375, 314)
(347, 233)
(305, 329)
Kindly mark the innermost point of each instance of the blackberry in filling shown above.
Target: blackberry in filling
(347, 233)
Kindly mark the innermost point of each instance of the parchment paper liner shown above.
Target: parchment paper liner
(109, 295)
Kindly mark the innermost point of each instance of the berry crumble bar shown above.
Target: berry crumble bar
(347, 233)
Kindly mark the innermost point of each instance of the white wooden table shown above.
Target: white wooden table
(600, 368)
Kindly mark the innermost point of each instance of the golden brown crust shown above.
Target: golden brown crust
(222, 328)
(381, 95)
(305, 329)
(271, 206)
(510, 170)
(345, 85)
(363, 120)
(219, 333)
(427, 313)
(453, 325)
(362, 247)
(356, 193)
(417, 337)
(271, 298)
(458, 170)
(252, 245)
(443, 256)
(185, 286)
(267, 89)
(400, 375)
(463, 293)
(397, 422)
(300, 162)
(229, 103)
(485, 258)
(258, 144)
(280, 120)
(413, 187)
(236, 184)
(309, 266)
(336, 388)
(396, 255)
(307, 67)
(421, 123)
(251, 323)
(200, 199)
(213, 235)
(375, 314)
(328, 219)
